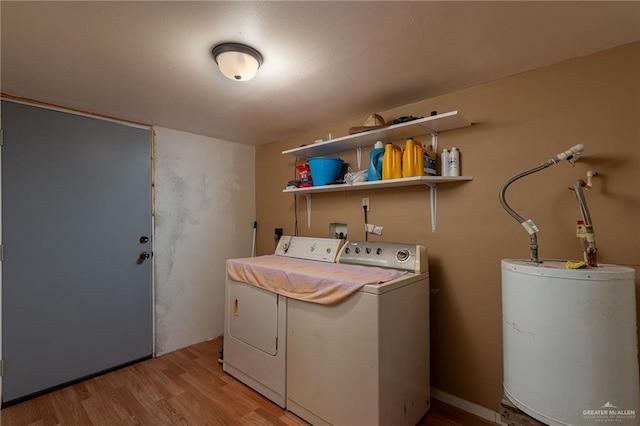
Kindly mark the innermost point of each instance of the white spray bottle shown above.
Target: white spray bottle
(444, 162)
(454, 162)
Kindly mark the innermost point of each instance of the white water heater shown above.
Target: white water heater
(570, 342)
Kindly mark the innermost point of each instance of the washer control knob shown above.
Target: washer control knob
(403, 255)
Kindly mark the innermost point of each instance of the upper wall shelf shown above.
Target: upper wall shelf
(422, 126)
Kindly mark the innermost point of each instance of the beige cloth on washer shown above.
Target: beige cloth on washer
(308, 280)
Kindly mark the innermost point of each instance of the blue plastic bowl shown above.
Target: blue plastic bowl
(324, 169)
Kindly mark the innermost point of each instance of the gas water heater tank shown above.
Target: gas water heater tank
(570, 342)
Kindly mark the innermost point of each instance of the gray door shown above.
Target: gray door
(76, 202)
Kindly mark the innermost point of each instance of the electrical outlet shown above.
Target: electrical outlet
(365, 202)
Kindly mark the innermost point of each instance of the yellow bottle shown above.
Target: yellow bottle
(419, 168)
(392, 162)
(412, 159)
(409, 158)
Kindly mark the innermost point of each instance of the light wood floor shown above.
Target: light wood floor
(186, 387)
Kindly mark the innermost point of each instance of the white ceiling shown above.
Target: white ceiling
(324, 62)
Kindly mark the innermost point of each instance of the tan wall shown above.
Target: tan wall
(518, 122)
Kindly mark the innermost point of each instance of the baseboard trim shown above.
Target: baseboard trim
(467, 406)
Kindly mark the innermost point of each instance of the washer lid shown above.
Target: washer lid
(405, 280)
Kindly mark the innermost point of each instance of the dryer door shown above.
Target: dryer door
(253, 316)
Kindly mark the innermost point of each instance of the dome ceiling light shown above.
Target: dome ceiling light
(236, 61)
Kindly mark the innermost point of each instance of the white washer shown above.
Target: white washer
(255, 323)
(364, 361)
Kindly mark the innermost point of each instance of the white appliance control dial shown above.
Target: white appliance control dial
(403, 255)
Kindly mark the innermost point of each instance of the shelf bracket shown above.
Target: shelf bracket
(433, 197)
(308, 210)
(433, 188)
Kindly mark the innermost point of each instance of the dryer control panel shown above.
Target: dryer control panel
(310, 248)
(406, 257)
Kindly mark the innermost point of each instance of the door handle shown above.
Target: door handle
(143, 256)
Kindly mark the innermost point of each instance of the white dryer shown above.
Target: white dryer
(256, 319)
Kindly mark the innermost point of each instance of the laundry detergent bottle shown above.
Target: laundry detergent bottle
(412, 159)
(374, 172)
(392, 162)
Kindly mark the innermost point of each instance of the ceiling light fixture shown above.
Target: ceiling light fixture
(237, 61)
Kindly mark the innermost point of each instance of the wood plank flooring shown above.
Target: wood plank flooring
(185, 387)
